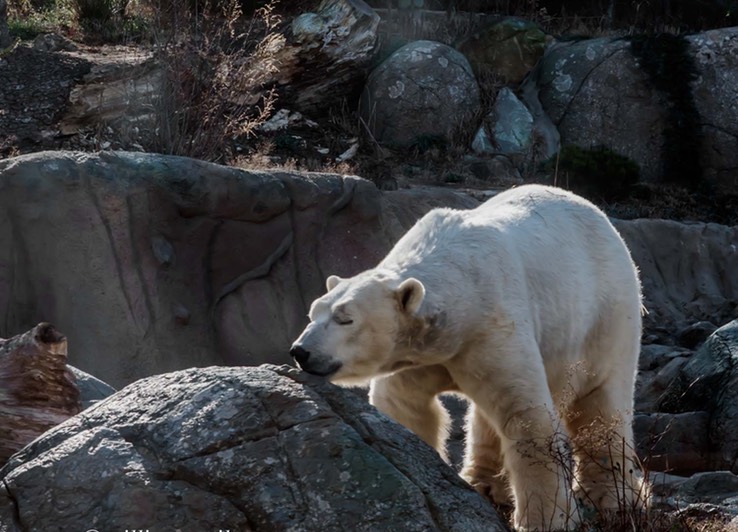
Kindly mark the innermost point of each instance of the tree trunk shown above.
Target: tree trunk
(37, 389)
(4, 31)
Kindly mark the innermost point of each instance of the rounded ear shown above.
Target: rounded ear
(332, 281)
(410, 295)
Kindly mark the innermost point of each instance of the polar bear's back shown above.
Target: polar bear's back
(548, 259)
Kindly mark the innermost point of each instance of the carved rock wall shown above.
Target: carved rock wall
(153, 263)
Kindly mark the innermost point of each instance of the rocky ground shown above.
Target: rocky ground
(50, 104)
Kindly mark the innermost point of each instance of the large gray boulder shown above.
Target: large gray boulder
(425, 90)
(265, 448)
(596, 94)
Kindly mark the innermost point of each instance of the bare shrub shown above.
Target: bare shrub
(216, 74)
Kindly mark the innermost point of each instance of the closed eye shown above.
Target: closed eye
(343, 320)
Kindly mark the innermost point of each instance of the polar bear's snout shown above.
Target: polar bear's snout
(300, 355)
(312, 362)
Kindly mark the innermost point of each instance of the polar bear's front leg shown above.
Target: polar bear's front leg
(511, 392)
(410, 398)
(483, 459)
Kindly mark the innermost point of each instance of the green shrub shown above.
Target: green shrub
(26, 21)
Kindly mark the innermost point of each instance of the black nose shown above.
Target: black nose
(299, 354)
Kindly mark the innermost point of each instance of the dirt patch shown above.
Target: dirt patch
(35, 88)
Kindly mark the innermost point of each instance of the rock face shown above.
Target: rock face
(153, 263)
(716, 98)
(595, 94)
(263, 448)
(423, 79)
(688, 270)
(37, 388)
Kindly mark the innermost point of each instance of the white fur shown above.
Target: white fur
(530, 306)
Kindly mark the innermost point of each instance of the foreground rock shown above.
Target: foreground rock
(263, 448)
(37, 388)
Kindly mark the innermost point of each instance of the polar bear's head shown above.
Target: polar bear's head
(360, 329)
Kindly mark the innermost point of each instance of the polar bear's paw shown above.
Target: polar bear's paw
(492, 486)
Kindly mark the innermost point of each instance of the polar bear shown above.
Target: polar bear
(528, 305)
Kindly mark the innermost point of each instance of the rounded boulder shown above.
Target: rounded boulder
(424, 92)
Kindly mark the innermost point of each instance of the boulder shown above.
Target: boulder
(524, 135)
(424, 91)
(595, 93)
(508, 49)
(709, 381)
(265, 448)
(509, 126)
(155, 263)
(598, 92)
